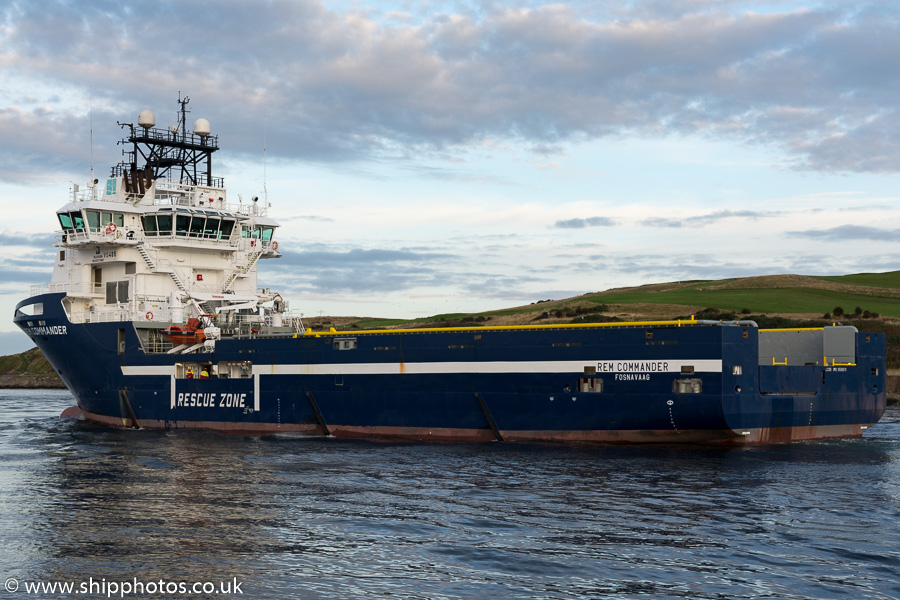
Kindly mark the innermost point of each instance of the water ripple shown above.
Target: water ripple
(323, 518)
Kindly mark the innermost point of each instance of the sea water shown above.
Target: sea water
(149, 514)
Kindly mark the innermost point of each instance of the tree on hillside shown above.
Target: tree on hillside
(838, 311)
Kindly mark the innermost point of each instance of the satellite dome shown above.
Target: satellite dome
(146, 119)
(201, 127)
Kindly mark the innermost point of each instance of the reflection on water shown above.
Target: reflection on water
(322, 518)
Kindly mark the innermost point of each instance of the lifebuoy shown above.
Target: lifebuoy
(274, 245)
(149, 315)
(111, 228)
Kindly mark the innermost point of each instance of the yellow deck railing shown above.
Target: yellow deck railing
(476, 329)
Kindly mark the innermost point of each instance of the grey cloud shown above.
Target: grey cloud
(662, 222)
(817, 84)
(582, 223)
(357, 256)
(40, 240)
(852, 232)
(327, 270)
(707, 219)
(16, 274)
(502, 287)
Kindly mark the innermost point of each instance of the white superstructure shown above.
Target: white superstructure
(160, 241)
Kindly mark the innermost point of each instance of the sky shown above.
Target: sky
(429, 157)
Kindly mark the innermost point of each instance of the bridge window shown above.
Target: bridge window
(65, 220)
(211, 231)
(165, 224)
(227, 228)
(98, 220)
(197, 224)
(149, 222)
(72, 221)
(182, 224)
(93, 219)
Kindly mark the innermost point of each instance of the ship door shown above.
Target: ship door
(97, 279)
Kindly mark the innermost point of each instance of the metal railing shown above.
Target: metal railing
(82, 288)
(167, 192)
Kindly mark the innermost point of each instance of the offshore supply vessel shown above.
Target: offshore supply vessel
(153, 318)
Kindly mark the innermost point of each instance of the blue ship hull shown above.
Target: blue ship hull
(633, 384)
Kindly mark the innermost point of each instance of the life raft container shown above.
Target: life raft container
(192, 333)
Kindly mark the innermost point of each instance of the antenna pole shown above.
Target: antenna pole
(265, 176)
(91, 121)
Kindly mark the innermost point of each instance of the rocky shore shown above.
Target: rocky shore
(31, 381)
(893, 389)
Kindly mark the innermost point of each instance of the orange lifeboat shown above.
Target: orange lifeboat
(192, 333)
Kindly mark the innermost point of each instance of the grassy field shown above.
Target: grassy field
(882, 280)
(806, 301)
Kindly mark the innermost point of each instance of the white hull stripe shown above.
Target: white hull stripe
(671, 367)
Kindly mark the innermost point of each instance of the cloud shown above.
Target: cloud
(817, 85)
(41, 240)
(27, 258)
(845, 233)
(707, 219)
(358, 270)
(582, 223)
(358, 256)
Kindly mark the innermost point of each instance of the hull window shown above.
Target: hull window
(687, 386)
(590, 385)
(194, 370)
(235, 369)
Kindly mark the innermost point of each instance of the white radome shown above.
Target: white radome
(201, 127)
(146, 119)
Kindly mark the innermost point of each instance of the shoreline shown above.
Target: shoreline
(27, 381)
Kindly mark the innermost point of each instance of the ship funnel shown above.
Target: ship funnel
(201, 127)
(146, 119)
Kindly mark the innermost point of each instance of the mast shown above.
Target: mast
(173, 154)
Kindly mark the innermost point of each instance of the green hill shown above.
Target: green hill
(30, 362)
(775, 294)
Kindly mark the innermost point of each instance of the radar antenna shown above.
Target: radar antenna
(182, 114)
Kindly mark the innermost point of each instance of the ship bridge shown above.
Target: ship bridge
(127, 244)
